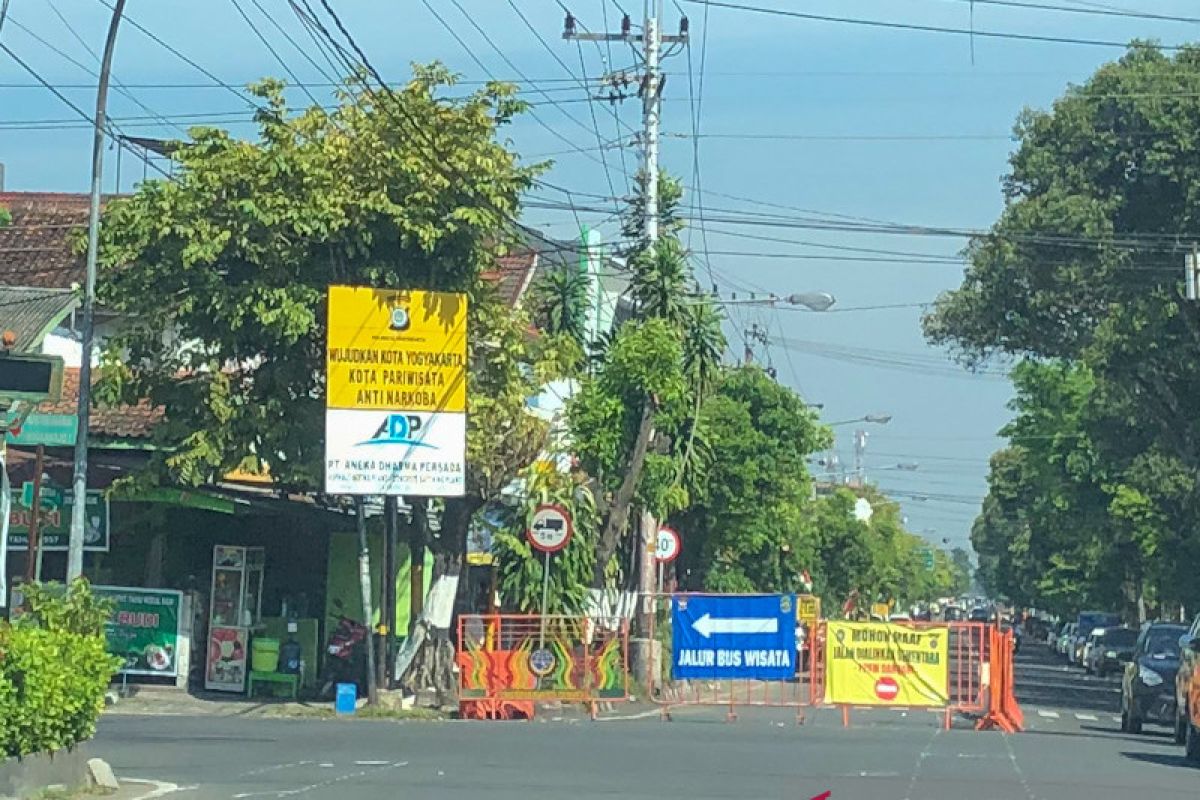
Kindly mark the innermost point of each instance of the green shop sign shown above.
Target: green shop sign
(52, 430)
(54, 522)
(143, 629)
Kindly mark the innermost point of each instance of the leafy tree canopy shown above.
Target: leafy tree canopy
(222, 271)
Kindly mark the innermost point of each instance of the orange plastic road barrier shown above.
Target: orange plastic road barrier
(507, 662)
(966, 671)
(1003, 712)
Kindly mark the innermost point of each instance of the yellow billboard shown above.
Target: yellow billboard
(393, 350)
(887, 664)
(396, 392)
(808, 610)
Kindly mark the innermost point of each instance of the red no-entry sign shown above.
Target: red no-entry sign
(886, 688)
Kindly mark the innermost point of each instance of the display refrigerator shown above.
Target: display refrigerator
(235, 609)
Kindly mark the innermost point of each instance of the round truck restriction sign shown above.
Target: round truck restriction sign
(886, 688)
(550, 528)
(668, 545)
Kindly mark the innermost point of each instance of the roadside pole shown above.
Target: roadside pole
(364, 581)
(33, 551)
(652, 40)
(88, 320)
(5, 513)
(387, 615)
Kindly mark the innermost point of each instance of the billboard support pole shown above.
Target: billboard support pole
(5, 508)
(33, 553)
(364, 580)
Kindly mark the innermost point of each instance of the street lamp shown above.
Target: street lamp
(813, 301)
(87, 317)
(876, 419)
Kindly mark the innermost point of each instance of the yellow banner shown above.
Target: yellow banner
(396, 350)
(886, 664)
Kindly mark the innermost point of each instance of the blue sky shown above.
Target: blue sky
(860, 105)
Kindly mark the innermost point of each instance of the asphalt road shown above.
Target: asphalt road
(1044, 679)
(885, 755)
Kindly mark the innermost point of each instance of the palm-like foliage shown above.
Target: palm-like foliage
(560, 299)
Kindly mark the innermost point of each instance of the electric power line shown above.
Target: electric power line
(1093, 10)
(910, 26)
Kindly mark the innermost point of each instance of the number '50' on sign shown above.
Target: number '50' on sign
(667, 545)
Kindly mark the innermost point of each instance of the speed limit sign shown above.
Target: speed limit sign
(668, 545)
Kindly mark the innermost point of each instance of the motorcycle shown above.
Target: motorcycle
(345, 655)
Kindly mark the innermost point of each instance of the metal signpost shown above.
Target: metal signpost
(550, 529)
(733, 637)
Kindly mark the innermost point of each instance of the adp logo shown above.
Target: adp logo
(398, 429)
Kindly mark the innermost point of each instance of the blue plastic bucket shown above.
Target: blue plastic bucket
(347, 698)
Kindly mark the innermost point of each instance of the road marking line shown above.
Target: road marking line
(640, 715)
(280, 793)
(372, 763)
(159, 788)
(1087, 717)
(869, 775)
(1047, 714)
(921, 756)
(1012, 757)
(1116, 719)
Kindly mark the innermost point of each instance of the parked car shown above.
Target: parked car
(1089, 644)
(1065, 637)
(1111, 650)
(1148, 683)
(1089, 621)
(1187, 692)
(952, 614)
(979, 614)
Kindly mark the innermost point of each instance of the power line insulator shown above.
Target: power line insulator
(626, 25)
(683, 26)
(569, 26)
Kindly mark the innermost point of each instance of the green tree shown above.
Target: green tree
(1084, 266)
(747, 525)
(639, 382)
(222, 272)
(521, 568)
(651, 376)
(560, 302)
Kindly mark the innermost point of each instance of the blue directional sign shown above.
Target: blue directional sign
(726, 637)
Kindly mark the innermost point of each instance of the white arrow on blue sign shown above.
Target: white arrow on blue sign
(706, 626)
(728, 637)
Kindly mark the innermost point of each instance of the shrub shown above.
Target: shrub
(54, 669)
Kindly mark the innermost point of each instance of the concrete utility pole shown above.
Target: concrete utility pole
(652, 40)
(88, 322)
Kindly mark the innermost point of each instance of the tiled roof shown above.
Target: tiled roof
(117, 422)
(533, 255)
(36, 246)
(31, 313)
(512, 275)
